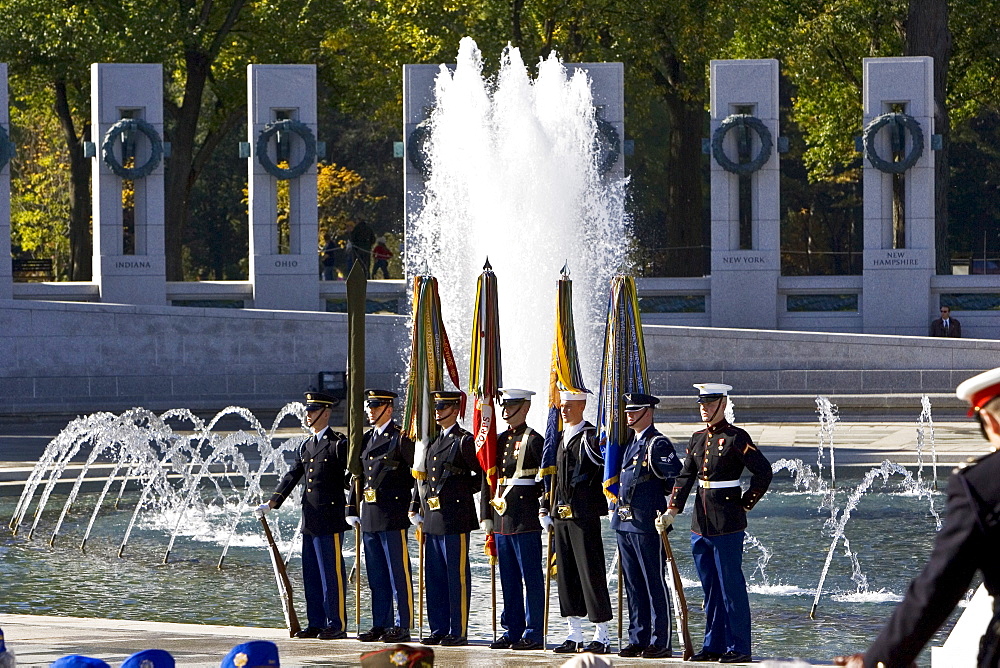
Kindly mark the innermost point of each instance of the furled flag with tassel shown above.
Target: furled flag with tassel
(564, 374)
(623, 370)
(485, 380)
(430, 353)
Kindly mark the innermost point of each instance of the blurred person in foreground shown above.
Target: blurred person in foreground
(968, 542)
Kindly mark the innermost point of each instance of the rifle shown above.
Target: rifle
(680, 603)
(548, 562)
(284, 584)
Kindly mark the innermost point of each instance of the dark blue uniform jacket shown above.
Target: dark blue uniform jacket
(323, 464)
(521, 514)
(649, 465)
(453, 475)
(386, 463)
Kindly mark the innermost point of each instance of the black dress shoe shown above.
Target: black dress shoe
(568, 647)
(372, 634)
(705, 655)
(329, 633)
(503, 642)
(527, 643)
(735, 657)
(432, 639)
(308, 632)
(657, 652)
(396, 634)
(454, 641)
(631, 650)
(596, 647)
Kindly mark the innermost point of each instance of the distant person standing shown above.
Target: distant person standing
(946, 325)
(380, 258)
(716, 457)
(329, 257)
(968, 543)
(322, 461)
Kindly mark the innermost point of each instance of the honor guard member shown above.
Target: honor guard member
(512, 516)
(649, 465)
(716, 457)
(322, 461)
(969, 542)
(386, 492)
(574, 515)
(444, 502)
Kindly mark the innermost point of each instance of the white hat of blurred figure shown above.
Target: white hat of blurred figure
(587, 660)
(569, 395)
(979, 389)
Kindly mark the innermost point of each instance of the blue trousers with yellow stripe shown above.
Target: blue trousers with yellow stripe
(323, 578)
(387, 561)
(447, 582)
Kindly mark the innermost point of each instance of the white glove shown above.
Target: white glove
(664, 522)
(416, 519)
(486, 525)
(353, 520)
(546, 522)
(262, 509)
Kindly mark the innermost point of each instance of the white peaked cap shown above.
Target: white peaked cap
(512, 394)
(713, 388)
(980, 389)
(569, 395)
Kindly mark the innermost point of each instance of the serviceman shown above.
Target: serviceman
(649, 466)
(716, 457)
(386, 490)
(322, 461)
(511, 514)
(574, 514)
(444, 503)
(968, 543)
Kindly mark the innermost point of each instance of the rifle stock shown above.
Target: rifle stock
(281, 577)
(680, 602)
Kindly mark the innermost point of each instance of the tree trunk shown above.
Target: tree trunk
(927, 34)
(180, 173)
(80, 245)
(685, 230)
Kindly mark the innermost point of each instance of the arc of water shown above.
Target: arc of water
(886, 469)
(828, 418)
(123, 457)
(96, 451)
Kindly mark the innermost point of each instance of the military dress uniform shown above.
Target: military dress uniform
(514, 514)
(576, 509)
(386, 492)
(445, 500)
(968, 542)
(649, 465)
(322, 461)
(716, 457)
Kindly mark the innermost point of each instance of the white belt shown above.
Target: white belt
(717, 484)
(508, 482)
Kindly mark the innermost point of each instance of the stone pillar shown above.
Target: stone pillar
(6, 276)
(896, 297)
(128, 91)
(745, 275)
(283, 280)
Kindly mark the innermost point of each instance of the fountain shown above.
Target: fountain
(513, 176)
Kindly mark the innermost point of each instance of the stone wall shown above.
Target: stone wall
(67, 357)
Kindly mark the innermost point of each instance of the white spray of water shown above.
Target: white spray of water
(514, 177)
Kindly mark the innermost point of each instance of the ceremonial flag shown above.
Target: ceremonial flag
(484, 381)
(564, 374)
(623, 370)
(430, 353)
(357, 289)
